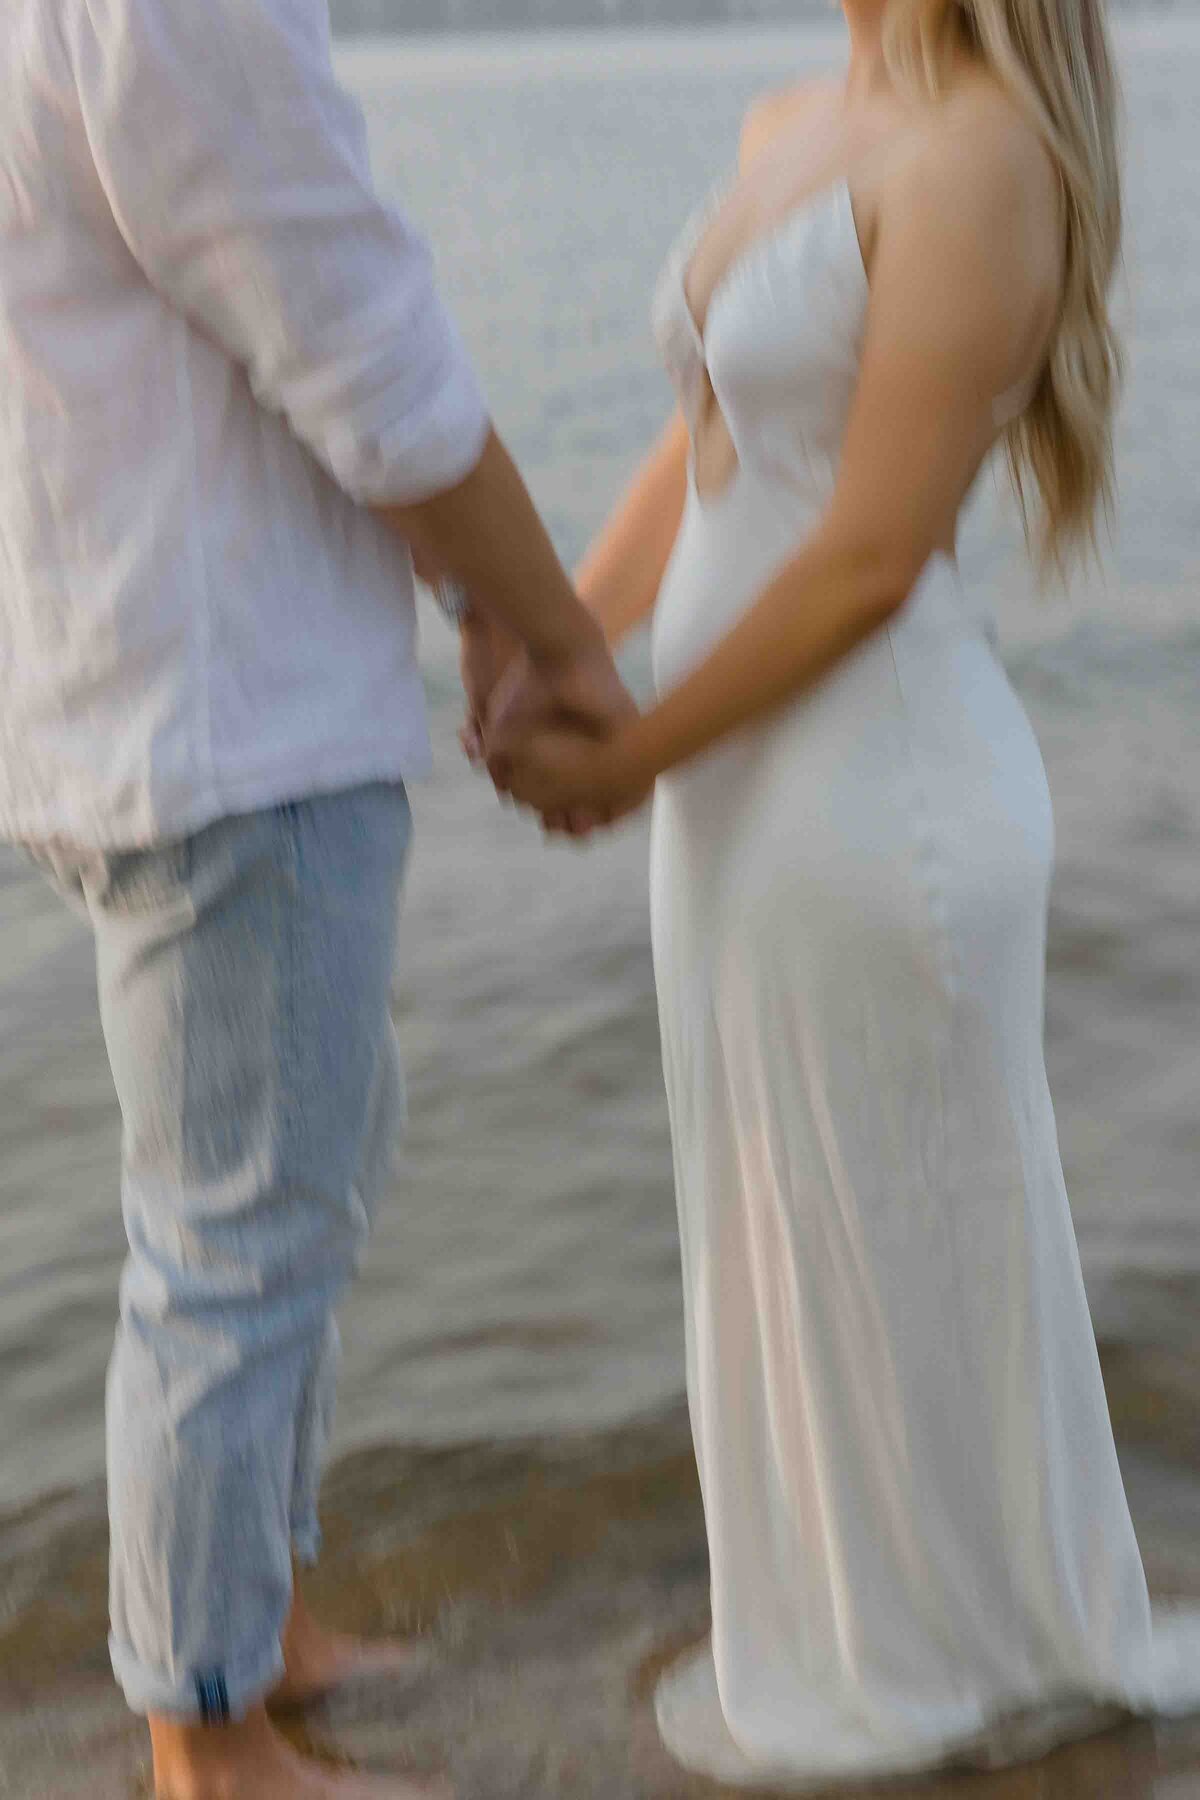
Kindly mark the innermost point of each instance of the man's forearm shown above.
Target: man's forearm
(487, 535)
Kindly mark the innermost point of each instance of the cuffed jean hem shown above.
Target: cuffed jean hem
(214, 1697)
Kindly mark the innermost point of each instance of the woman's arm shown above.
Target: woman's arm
(619, 578)
(964, 284)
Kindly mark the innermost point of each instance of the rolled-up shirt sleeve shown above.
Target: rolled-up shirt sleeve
(237, 170)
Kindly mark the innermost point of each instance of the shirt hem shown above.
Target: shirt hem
(253, 791)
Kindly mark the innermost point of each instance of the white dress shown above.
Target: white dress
(919, 1537)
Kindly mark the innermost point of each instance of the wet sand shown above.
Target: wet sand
(552, 1579)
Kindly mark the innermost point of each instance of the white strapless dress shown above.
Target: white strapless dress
(920, 1543)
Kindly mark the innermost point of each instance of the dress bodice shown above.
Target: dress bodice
(781, 340)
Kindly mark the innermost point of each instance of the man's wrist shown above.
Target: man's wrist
(584, 638)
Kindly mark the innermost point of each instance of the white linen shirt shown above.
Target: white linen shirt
(216, 343)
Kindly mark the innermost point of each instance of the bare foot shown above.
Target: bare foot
(248, 1760)
(318, 1662)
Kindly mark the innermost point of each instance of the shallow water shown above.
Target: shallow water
(525, 1278)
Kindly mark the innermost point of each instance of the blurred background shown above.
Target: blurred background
(524, 1277)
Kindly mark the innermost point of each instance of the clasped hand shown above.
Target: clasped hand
(550, 738)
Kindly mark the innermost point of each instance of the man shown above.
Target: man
(231, 403)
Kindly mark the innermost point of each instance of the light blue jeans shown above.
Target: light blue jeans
(244, 976)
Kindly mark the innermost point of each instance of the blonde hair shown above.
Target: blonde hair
(1053, 57)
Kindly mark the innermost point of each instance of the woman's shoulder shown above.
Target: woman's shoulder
(980, 112)
(980, 160)
(970, 202)
(979, 147)
(781, 109)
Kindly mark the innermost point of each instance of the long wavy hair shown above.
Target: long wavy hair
(1054, 58)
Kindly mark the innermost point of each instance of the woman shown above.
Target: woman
(919, 1537)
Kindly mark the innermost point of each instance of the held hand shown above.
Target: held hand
(585, 693)
(585, 690)
(570, 777)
